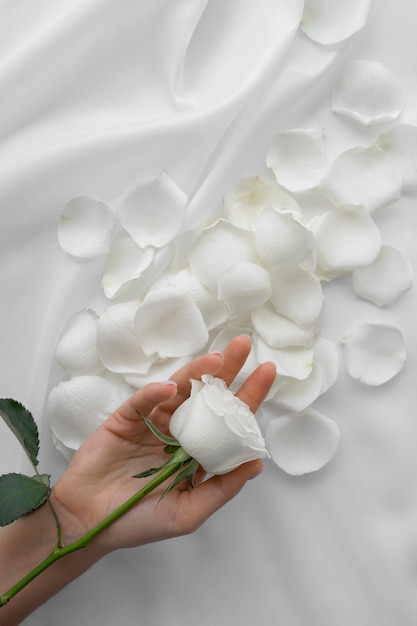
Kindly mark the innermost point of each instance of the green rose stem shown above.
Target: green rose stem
(173, 465)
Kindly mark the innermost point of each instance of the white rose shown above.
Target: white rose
(216, 428)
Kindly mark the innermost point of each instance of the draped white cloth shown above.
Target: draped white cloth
(96, 93)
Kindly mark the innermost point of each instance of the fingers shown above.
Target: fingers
(257, 385)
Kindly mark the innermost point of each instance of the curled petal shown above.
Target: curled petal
(368, 93)
(125, 263)
(297, 159)
(400, 142)
(366, 176)
(76, 351)
(293, 362)
(170, 324)
(281, 241)
(297, 395)
(244, 287)
(346, 238)
(303, 443)
(374, 353)
(212, 310)
(243, 205)
(297, 294)
(331, 21)
(278, 331)
(117, 341)
(152, 211)
(386, 279)
(78, 406)
(217, 248)
(85, 227)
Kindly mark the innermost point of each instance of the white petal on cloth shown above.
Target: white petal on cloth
(243, 204)
(295, 362)
(85, 227)
(386, 279)
(152, 211)
(169, 324)
(302, 443)
(369, 93)
(297, 158)
(332, 21)
(278, 331)
(346, 238)
(126, 262)
(367, 176)
(374, 353)
(400, 142)
(243, 288)
(297, 294)
(76, 351)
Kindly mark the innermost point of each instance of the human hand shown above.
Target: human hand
(99, 477)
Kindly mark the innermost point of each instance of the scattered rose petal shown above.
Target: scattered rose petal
(158, 372)
(297, 294)
(331, 21)
(366, 176)
(369, 93)
(281, 241)
(244, 287)
(170, 324)
(302, 443)
(347, 238)
(297, 395)
(217, 248)
(117, 341)
(243, 205)
(386, 279)
(76, 351)
(294, 362)
(152, 211)
(400, 142)
(278, 331)
(297, 159)
(85, 227)
(374, 353)
(78, 406)
(125, 263)
(212, 310)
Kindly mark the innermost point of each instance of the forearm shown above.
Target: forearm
(26, 543)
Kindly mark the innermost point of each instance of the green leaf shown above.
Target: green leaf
(21, 423)
(170, 441)
(187, 472)
(20, 494)
(148, 472)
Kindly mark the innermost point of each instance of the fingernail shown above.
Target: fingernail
(169, 382)
(217, 352)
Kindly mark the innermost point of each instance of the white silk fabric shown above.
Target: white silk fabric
(97, 93)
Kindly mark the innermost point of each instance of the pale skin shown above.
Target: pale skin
(99, 479)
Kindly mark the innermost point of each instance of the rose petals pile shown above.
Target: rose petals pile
(257, 269)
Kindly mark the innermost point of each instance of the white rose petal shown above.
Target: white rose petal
(386, 279)
(366, 176)
(76, 351)
(117, 341)
(85, 227)
(78, 406)
(125, 263)
(303, 443)
(217, 248)
(297, 294)
(216, 428)
(374, 353)
(278, 331)
(297, 159)
(212, 310)
(244, 287)
(400, 142)
(297, 395)
(331, 21)
(346, 238)
(158, 372)
(293, 362)
(368, 93)
(152, 211)
(243, 205)
(170, 324)
(281, 241)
